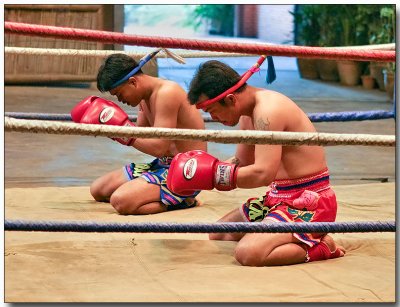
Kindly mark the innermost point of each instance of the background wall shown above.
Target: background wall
(275, 23)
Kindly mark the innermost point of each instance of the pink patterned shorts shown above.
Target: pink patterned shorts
(307, 199)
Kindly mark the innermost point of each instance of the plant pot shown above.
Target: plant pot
(349, 72)
(327, 70)
(376, 69)
(308, 68)
(368, 82)
(388, 78)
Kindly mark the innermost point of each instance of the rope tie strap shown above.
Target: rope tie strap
(306, 227)
(168, 42)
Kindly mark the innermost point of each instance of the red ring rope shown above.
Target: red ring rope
(168, 42)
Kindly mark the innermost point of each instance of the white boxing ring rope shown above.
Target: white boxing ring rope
(104, 53)
(218, 136)
(184, 54)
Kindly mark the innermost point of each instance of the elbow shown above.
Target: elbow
(161, 151)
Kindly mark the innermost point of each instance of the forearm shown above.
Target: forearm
(155, 147)
(249, 177)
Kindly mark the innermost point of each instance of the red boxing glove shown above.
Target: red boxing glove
(197, 170)
(96, 110)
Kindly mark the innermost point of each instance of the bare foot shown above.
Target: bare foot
(328, 240)
(199, 201)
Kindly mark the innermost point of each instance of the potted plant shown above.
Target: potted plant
(368, 82)
(328, 37)
(307, 34)
(382, 31)
(389, 21)
(349, 71)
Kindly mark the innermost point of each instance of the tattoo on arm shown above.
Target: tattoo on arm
(262, 124)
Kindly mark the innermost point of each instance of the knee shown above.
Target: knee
(96, 192)
(249, 256)
(120, 203)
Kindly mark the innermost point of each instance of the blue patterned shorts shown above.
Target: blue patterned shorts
(156, 173)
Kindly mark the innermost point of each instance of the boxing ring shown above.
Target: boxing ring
(68, 265)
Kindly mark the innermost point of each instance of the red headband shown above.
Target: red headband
(243, 79)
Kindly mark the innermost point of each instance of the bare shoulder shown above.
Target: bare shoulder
(170, 92)
(170, 88)
(271, 109)
(272, 99)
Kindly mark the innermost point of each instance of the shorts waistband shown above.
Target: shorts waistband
(315, 182)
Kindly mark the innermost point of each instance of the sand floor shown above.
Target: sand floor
(116, 267)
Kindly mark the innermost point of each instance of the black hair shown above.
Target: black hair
(114, 68)
(211, 79)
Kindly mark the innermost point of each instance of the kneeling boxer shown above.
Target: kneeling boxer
(140, 188)
(297, 175)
